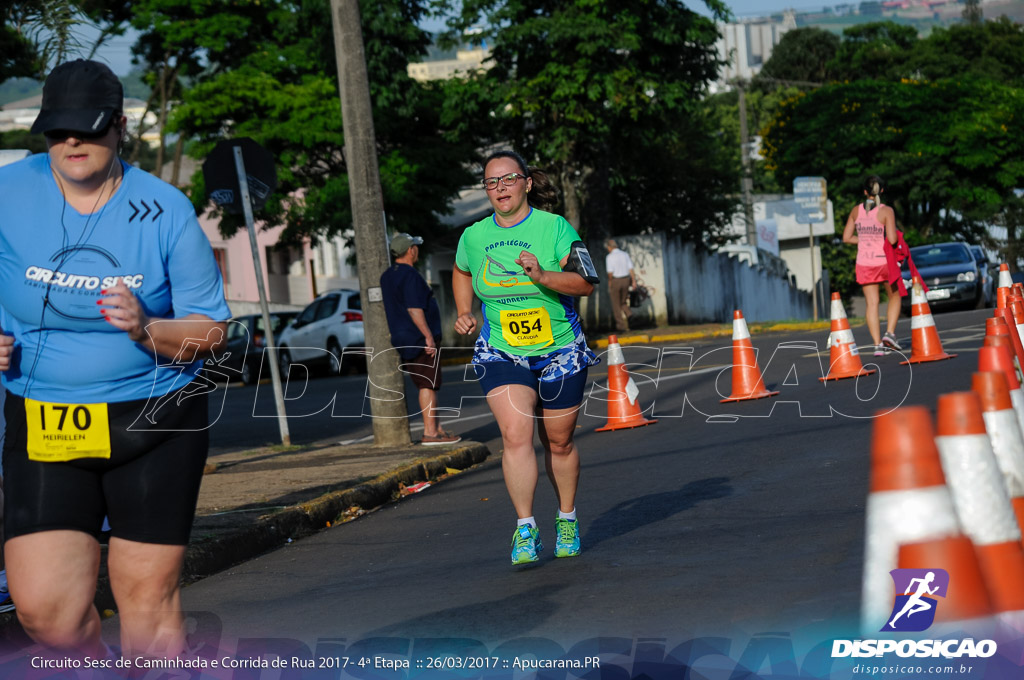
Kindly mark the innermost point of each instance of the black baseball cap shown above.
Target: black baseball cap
(80, 96)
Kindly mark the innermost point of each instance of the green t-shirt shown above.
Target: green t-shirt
(520, 317)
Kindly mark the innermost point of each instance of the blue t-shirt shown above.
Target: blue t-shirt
(146, 234)
(403, 288)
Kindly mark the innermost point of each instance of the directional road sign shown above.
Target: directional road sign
(811, 196)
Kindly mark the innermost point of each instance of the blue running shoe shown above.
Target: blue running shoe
(567, 544)
(526, 545)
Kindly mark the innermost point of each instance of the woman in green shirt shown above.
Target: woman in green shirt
(527, 265)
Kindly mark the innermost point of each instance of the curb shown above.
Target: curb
(207, 556)
(724, 331)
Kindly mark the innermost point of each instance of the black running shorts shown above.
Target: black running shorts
(148, 488)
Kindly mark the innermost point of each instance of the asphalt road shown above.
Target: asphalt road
(742, 518)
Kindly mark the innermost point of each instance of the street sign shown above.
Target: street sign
(221, 178)
(811, 197)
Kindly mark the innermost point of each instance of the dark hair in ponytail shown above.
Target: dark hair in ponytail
(543, 195)
(874, 185)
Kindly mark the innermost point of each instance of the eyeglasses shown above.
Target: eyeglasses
(491, 183)
(61, 135)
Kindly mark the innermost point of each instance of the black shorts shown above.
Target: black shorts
(148, 488)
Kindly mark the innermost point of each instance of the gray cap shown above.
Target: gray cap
(402, 242)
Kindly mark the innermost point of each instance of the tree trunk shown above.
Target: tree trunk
(571, 197)
(161, 119)
(597, 210)
(179, 147)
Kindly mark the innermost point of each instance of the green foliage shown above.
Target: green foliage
(949, 172)
(802, 54)
(874, 51)
(17, 53)
(22, 139)
(279, 87)
(605, 97)
(723, 114)
(992, 50)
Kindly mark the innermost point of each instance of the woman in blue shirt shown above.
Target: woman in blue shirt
(110, 297)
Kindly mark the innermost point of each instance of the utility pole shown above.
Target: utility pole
(747, 181)
(386, 385)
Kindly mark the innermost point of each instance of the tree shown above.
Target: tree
(993, 50)
(762, 106)
(606, 97)
(277, 84)
(875, 50)
(17, 54)
(949, 172)
(803, 54)
(972, 11)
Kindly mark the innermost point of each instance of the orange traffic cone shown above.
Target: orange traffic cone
(746, 376)
(623, 408)
(908, 501)
(1016, 304)
(844, 357)
(993, 357)
(1006, 315)
(967, 596)
(1004, 433)
(924, 338)
(1005, 280)
(980, 498)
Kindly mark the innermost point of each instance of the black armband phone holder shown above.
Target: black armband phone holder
(580, 263)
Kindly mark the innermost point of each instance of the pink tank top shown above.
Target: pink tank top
(870, 238)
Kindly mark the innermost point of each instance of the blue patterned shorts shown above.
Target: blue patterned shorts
(559, 377)
(555, 365)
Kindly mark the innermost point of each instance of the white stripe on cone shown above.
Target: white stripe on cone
(614, 355)
(838, 312)
(919, 321)
(632, 391)
(893, 518)
(1005, 279)
(739, 329)
(977, 487)
(1008, 445)
(1017, 399)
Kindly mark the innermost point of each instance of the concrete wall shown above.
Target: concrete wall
(708, 287)
(690, 287)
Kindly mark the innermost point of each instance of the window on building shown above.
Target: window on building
(221, 256)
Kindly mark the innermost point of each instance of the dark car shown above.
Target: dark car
(247, 343)
(951, 274)
(987, 274)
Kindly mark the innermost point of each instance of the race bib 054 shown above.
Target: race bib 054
(526, 327)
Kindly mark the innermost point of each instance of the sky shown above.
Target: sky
(117, 54)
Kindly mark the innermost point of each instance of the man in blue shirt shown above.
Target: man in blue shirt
(414, 320)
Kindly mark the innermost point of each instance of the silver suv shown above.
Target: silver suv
(322, 332)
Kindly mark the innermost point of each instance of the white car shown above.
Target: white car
(322, 332)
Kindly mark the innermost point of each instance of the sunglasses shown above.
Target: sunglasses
(61, 135)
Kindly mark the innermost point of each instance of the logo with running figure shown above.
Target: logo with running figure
(914, 609)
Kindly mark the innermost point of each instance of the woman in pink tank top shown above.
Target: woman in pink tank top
(869, 226)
